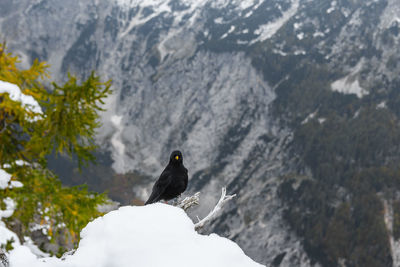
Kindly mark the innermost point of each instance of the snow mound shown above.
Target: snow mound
(149, 236)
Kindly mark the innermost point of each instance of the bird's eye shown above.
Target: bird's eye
(176, 157)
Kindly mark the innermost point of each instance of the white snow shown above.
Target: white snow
(4, 179)
(157, 6)
(312, 116)
(345, 11)
(309, 117)
(148, 236)
(254, 5)
(218, 20)
(246, 4)
(6, 234)
(17, 162)
(33, 248)
(381, 105)
(299, 52)
(15, 184)
(231, 29)
(248, 14)
(330, 10)
(347, 86)
(15, 94)
(21, 163)
(332, 7)
(350, 84)
(5, 182)
(10, 207)
(300, 36)
(297, 25)
(277, 51)
(266, 31)
(318, 34)
(242, 42)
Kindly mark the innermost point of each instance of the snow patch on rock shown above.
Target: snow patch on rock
(266, 31)
(350, 84)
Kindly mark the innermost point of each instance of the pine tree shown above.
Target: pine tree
(65, 124)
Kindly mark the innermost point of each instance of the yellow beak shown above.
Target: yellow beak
(176, 157)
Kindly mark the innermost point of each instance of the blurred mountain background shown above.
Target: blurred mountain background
(294, 105)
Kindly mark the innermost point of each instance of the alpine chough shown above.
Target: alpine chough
(172, 182)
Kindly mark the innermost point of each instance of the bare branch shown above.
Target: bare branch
(189, 202)
(222, 201)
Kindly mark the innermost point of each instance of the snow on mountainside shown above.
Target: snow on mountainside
(210, 78)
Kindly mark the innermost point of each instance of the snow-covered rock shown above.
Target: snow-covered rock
(148, 236)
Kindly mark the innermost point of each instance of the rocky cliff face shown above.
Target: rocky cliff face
(230, 83)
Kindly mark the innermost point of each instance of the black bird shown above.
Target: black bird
(172, 182)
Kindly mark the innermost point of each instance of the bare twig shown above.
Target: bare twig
(222, 201)
(189, 202)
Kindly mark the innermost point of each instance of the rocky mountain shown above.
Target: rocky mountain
(292, 104)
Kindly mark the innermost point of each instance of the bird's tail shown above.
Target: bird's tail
(152, 199)
(149, 202)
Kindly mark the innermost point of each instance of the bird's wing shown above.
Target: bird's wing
(159, 187)
(186, 178)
